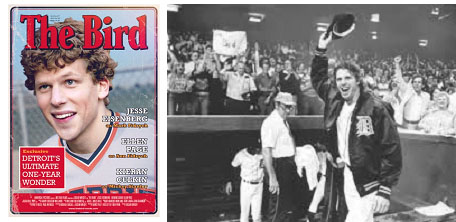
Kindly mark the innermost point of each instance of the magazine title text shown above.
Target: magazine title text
(94, 36)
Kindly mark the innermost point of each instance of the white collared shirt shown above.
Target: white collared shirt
(238, 84)
(415, 105)
(275, 134)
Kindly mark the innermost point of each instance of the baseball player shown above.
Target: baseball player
(362, 137)
(71, 89)
(251, 161)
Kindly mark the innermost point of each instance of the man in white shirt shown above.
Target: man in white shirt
(239, 83)
(278, 152)
(413, 100)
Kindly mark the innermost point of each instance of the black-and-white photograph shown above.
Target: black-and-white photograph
(325, 113)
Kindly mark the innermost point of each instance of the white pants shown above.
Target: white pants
(251, 195)
(360, 209)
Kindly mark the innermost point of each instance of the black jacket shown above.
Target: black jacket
(374, 145)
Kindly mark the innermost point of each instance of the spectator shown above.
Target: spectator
(273, 64)
(289, 82)
(193, 64)
(308, 101)
(266, 84)
(433, 103)
(413, 100)
(452, 99)
(240, 85)
(179, 86)
(383, 85)
(440, 121)
(201, 91)
(392, 98)
(196, 49)
(171, 57)
(256, 60)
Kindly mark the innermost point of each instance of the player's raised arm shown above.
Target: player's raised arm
(319, 73)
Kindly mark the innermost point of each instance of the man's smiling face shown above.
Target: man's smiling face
(417, 84)
(346, 84)
(69, 99)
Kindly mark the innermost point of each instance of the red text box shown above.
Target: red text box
(42, 167)
(83, 203)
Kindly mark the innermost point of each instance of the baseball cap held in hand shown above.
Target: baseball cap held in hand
(341, 26)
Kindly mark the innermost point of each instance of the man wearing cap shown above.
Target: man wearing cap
(278, 148)
(362, 139)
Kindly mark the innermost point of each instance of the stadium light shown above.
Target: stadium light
(374, 35)
(173, 8)
(256, 17)
(375, 17)
(423, 42)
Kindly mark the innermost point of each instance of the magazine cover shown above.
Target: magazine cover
(311, 112)
(83, 110)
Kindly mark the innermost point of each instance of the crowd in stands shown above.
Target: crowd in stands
(201, 82)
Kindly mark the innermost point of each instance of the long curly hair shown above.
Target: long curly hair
(100, 64)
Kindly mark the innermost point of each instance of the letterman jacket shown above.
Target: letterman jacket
(374, 145)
